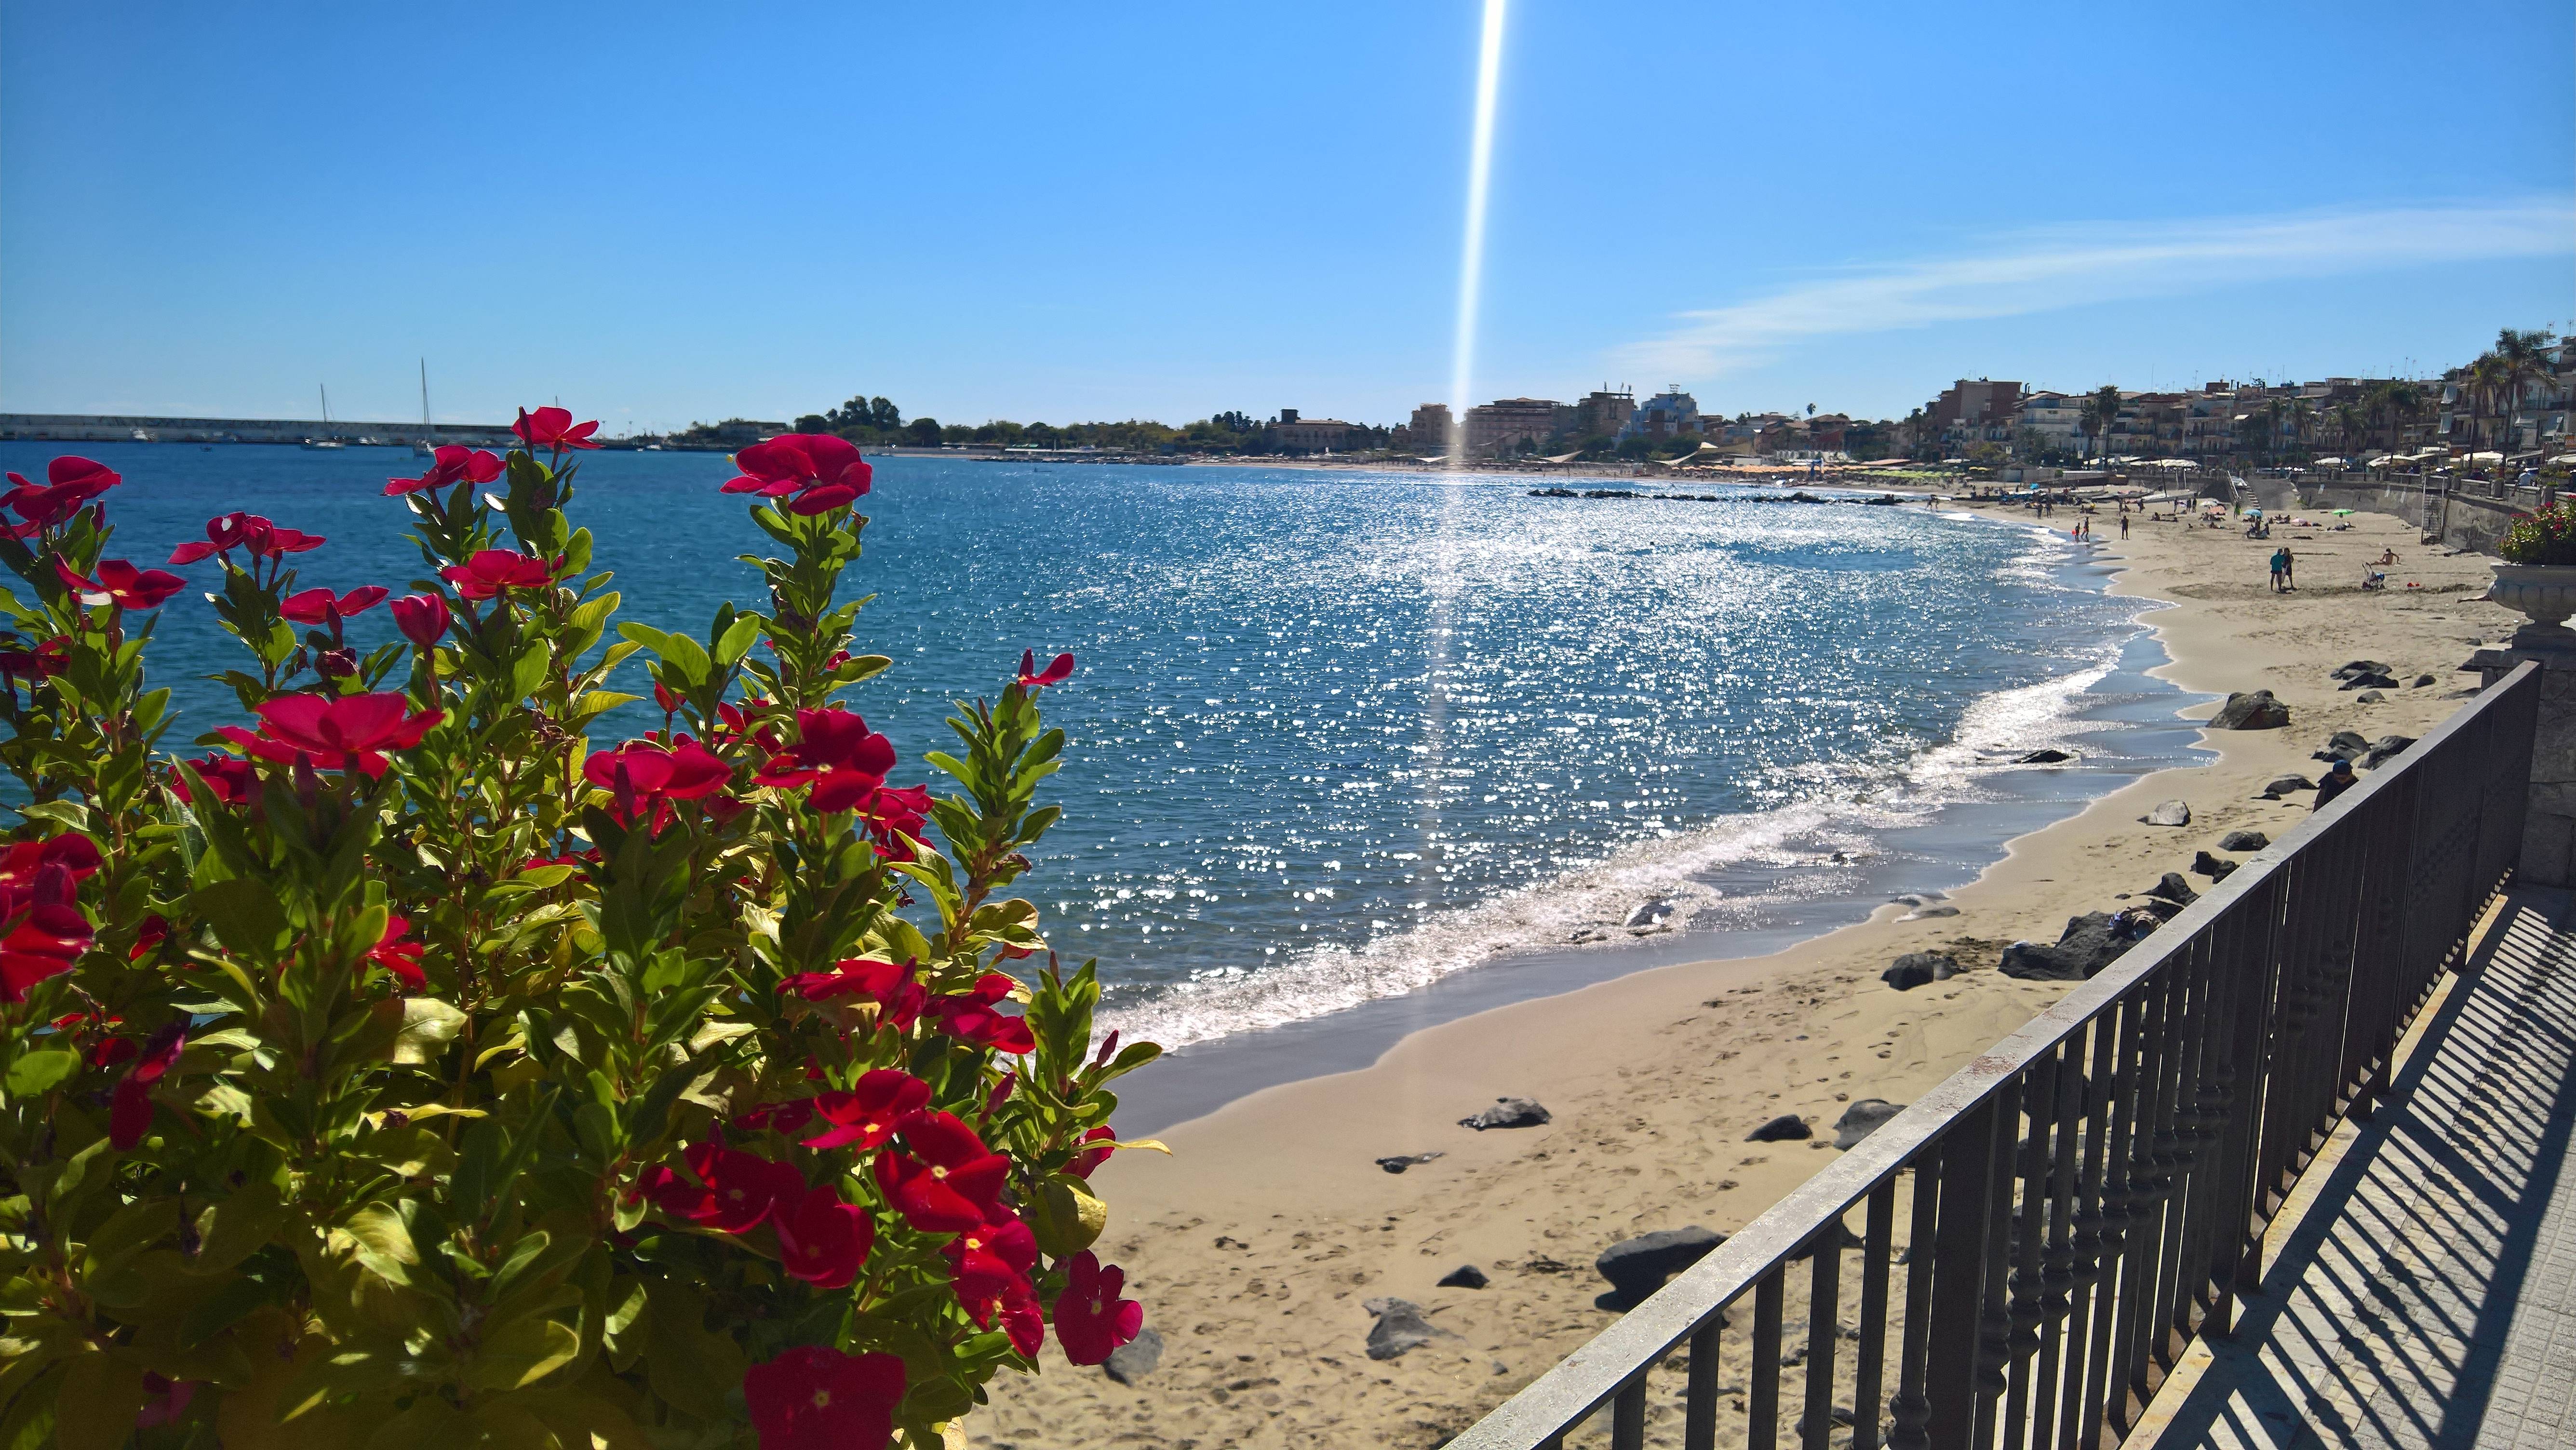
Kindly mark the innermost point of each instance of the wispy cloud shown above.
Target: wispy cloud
(2041, 271)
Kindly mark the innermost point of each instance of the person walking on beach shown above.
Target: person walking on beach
(2289, 571)
(2280, 568)
(2124, 522)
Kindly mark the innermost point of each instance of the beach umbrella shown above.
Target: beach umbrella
(2487, 455)
(2342, 513)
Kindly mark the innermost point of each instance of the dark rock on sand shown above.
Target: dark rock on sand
(1507, 1113)
(1862, 1119)
(2421, 681)
(2256, 840)
(2174, 888)
(1401, 1162)
(2045, 757)
(1136, 1358)
(1465, 1276)
(1400, 1326)
(2370, 697)
(1918, 969)
(2362, 667)
(1649, 914)
(2169, 813)
(1638, 1267)
(2288, 783)
(2091, 942)
(2343, 745)
(2370, 682)
(2385, 749)
(2205, 864)
(1788, 1127)
(2254, 710)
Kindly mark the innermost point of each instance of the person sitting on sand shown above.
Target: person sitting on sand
(2386, 556)
(2336, 782)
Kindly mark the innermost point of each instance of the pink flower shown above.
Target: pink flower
(1090, 1158)
(492, 572)
(42, 930)
(449, 465)
(648, 773)
(737, 1189)
(970, 1015)
(870, 1112)
(837, 754)
(988, 1289)
(129, 1113)
(121, 584)
(814, 472)
(817, 1398)
(350, 731)
(422, 618)
(41, 663)
(822, 1238)
(1008, 1241)
(553, 428)
(231, 779)
(898, 997)
(1091, 1320)
(70, 483)
(321, 606)
(1058, 670)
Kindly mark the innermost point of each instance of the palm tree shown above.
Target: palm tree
(2103, 404)
(2394, 402)
(2522, 353)
(2350, 427)
(2302, 413)
(2487, 377)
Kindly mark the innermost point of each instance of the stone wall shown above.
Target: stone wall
(2468, 520)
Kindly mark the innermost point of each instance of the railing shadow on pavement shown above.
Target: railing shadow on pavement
(2046, 1231)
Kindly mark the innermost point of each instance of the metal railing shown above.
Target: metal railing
(2078, 1203)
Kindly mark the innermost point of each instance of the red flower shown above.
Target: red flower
(70, 483)
(1058, 670)
(129, 1113)
(737, 1190)
(553, 428)
(970, 1015)
(837, 754)
(121, 584)
(892, 815)
(249, 532)
(988, 1288)
(823, 1239)
(335, 734)
(898, 998)
(229, 778)
(41, 663)
(1090, 1158)
(42, 930)
(451, 464)
(787, 1117)
(869, 1113)
(149, 936)
(422, 618)
(817, 1398)
(320, 606)
(954, 1183)
(1090, 1319)
(814, 472)
(647, 772)
(1008, 1241)
(402, 958)
(492, 572)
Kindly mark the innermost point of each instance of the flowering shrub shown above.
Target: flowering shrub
(404, 1071)
(2542, 536)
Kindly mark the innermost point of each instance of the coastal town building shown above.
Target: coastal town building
(1515, 425)
(1293, 434)
(1428, 430)
(1972, 411)
(1604, 413)
(1667, 414)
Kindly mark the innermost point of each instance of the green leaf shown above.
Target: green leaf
(523, 1353)
(384, 1242)
(245, 915)
(234, 1228)
(528, 671)
(96, 1406)
(428, 1026)
(38, 1071)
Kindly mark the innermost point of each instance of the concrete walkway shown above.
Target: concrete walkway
(2422, 1282)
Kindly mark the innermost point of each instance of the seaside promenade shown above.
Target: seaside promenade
(2422, 1289)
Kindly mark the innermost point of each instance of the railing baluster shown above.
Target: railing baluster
(1912, 1408)
(1824, 1327)
(1958, 1271)
(2099, 1227)
(1762, 1427)
(1699, 1397)
(1870, 1368)
(1994, 1319)
(2029, 1231)
(1628, 1416)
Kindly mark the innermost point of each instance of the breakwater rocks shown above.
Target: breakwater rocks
(1884, 500)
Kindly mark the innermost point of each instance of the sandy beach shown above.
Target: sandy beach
(1257, 1245)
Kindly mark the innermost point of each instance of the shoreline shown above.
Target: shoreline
(1257, 1246)
(1937, 847)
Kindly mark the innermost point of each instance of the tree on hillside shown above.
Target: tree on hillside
(924, 432)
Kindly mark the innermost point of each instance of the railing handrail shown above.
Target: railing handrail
(1620, 1354)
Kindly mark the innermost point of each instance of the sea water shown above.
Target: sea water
(1338, 736)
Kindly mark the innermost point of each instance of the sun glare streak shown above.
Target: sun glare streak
(1471, 261)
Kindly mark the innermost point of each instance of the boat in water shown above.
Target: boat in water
(421, 446)
(318, 444)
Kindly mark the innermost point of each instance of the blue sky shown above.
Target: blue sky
(668, 212)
